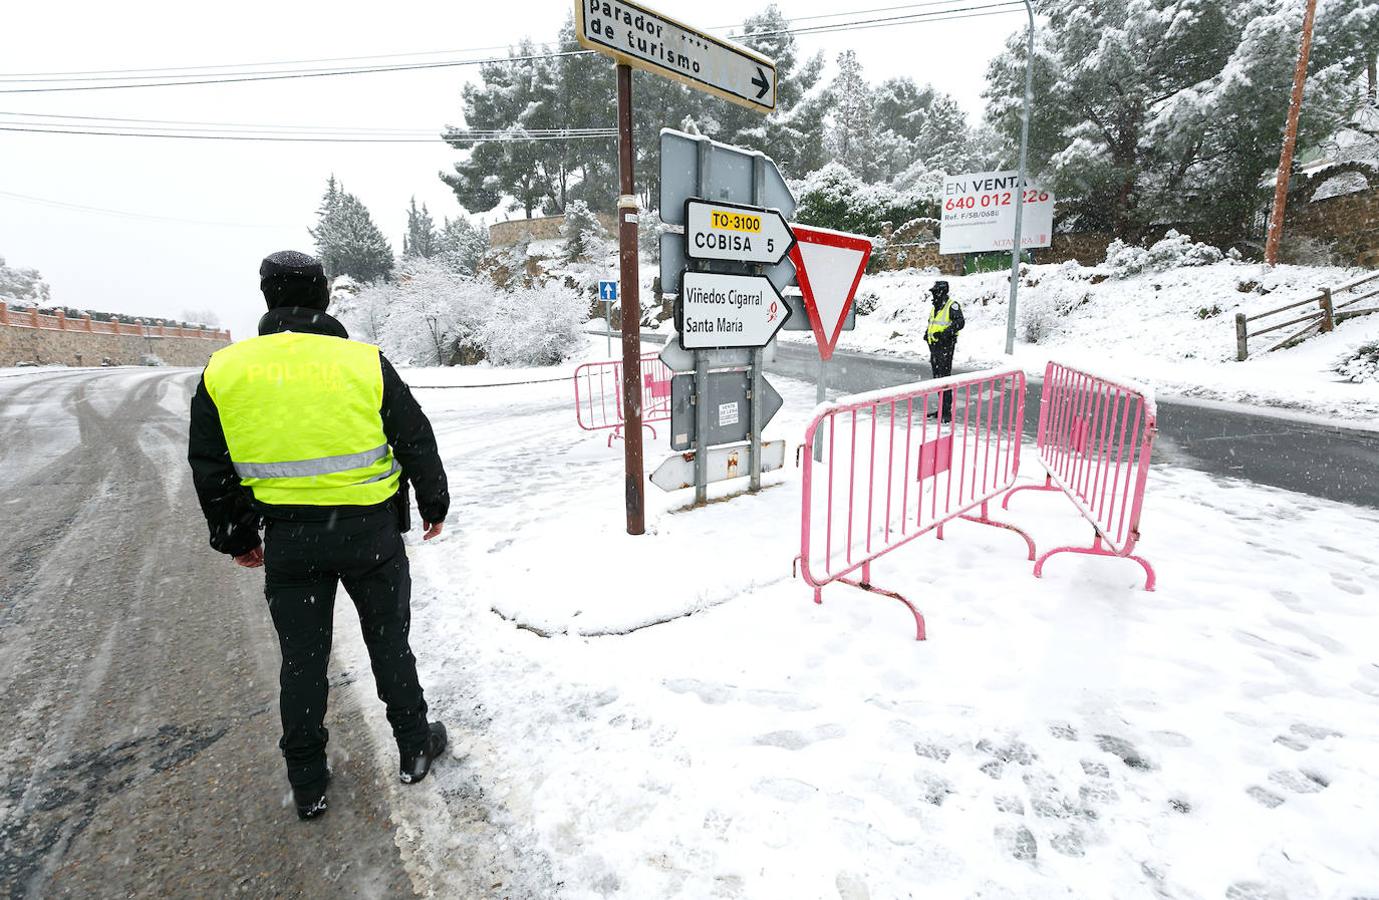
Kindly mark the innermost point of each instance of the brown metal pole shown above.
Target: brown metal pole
(1290, 138)
(631, 311)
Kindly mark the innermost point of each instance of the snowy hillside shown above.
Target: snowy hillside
(1173, 329)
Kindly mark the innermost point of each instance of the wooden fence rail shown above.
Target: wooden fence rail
(32, 318)
(1329, 310)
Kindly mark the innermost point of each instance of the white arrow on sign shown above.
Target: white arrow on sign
(731, 231)
(718, 310)
(633, 34)
(830, 266)
(725, 462)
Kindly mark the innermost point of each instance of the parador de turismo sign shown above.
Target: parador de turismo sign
(648, 40)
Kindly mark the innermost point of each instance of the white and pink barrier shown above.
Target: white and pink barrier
(894, 470)
(1095, 439)
(598, 395)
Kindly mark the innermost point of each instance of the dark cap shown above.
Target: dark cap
(289, 278)
(940, 290)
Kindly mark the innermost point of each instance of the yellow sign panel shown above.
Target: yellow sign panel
(727, 220)
(648, 40)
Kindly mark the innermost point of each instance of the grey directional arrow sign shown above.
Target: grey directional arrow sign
(728, 400)
(732, 231)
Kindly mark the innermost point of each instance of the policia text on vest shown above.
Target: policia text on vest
(942, 337)
(314, 439)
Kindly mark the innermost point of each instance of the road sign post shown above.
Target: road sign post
(634, 490)
(608, 293)
(634, 35)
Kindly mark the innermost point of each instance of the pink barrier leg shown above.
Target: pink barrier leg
(866, 585)
(1097, 550)
(1046, 486)
(615, 433)
(984, 519)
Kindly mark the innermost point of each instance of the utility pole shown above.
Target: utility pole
(1020, 187)
(631, 311)
(1290, 139)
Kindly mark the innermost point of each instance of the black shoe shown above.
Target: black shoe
(415, 767)
(311, 802)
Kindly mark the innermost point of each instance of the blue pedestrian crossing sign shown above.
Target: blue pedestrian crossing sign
(608, 290)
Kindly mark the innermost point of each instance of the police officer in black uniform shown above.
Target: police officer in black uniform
(942, 336)
(314, 438)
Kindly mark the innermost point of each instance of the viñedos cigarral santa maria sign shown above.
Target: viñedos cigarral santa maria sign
(718, 310)
(979, 213)
(640, 37)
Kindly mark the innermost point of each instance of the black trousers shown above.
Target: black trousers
(303, 562)
(941, 361)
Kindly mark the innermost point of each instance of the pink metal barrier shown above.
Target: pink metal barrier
(1095, 439)
(598, 395)
(893, 471)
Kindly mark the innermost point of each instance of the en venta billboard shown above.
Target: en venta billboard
(979, 213)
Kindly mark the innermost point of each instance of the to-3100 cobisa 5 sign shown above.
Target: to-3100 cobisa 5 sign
(640, 37)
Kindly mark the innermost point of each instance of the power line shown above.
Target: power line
(43, 201)
(56, 120)
(318, 139)
(939, 15)
(192, 71)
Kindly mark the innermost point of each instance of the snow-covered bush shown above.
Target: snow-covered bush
(834, 197)
(1037, 316)
(1173, 252)
(584, 234)
(536, 326)
(1360, 364)
(433, 314)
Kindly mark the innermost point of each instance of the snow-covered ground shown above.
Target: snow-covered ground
(1073, 736)
(1149, 325)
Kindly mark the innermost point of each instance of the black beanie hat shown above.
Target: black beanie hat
(940, 291)
(289, 278)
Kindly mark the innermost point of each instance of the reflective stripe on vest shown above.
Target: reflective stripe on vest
(939, 321)
(301, 415)
(325, 465)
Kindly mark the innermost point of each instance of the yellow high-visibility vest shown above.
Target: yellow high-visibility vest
(301, 418)
(939, 321)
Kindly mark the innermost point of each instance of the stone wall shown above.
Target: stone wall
(543, 228)
(1088, 248)
(1348, 222)
(49, 346)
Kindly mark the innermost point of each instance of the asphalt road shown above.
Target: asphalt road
(138, 673)
(1275, 448)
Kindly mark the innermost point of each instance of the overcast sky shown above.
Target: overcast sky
(205, 212)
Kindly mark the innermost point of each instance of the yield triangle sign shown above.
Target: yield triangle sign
(830, 266)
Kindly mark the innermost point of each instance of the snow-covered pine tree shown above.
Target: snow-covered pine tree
(582, 231)
(462, 245)
(851, 135)
(347, 240)
(1173, 110)
(421, 238)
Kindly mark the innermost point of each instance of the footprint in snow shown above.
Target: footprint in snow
(798, 740)
(1018, 841)
(1063, 731)
(1299, 782)
(1254, 890)
(1264, 797)
(1124, 750)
